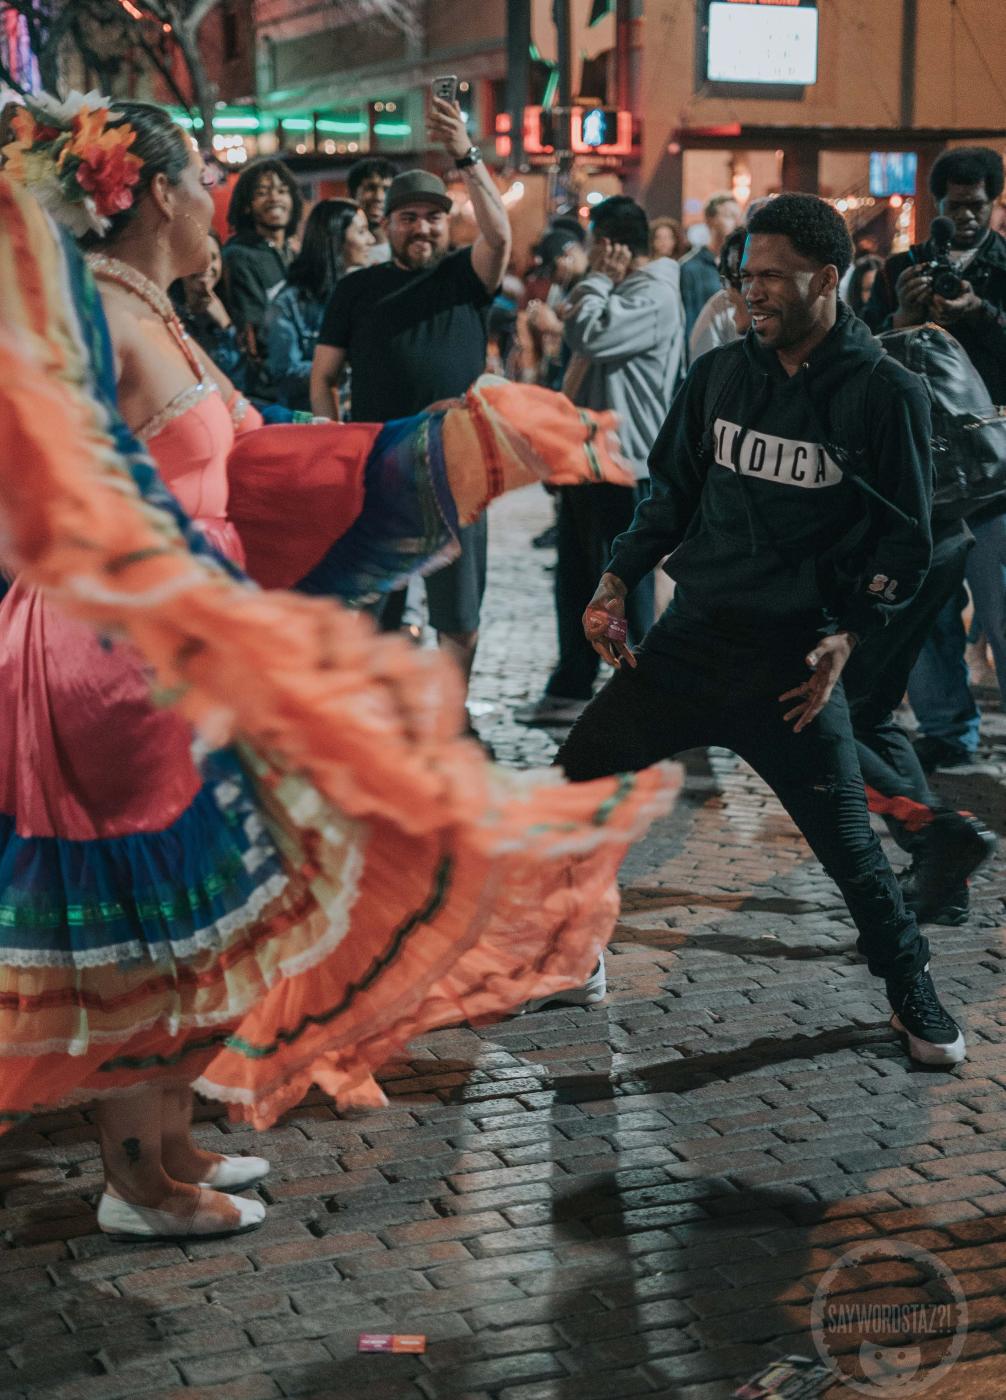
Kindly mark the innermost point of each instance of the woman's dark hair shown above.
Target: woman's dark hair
(815, 228)
(623, 221)
(967, 165)
(319, 264)
(239, 211)
(730, 256)
(162, 146)
(868, 263)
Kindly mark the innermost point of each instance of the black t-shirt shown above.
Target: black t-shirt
(411, 337)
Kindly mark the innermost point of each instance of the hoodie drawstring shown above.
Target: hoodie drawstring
(735, 460)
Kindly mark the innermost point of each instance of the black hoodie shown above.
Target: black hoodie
(766, 533)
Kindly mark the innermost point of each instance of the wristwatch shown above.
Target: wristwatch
(471, 157)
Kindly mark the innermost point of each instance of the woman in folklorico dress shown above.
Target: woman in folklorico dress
(349, 872)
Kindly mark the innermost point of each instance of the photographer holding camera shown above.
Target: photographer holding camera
(959, 282)
(957, 278)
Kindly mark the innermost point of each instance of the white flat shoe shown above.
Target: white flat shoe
(236, 1173)
(127, 1222)
(595, 989)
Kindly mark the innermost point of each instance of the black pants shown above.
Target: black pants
(589, 519)
(875, 681)
(704, 697)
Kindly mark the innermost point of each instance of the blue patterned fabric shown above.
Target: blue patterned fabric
(410, 524)
(154, 895)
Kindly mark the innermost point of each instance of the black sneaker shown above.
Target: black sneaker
(934, 1037)
(935, 753)
(935, 886)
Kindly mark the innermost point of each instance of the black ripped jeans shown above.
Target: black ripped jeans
(692, 689)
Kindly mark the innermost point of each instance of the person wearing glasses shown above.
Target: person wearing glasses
(725, 317)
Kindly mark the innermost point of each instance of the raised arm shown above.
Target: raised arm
(609, 321)
(491, 250)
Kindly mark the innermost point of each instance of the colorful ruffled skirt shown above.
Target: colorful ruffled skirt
(329, 869)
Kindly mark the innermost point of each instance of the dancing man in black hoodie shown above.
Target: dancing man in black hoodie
(788, 545)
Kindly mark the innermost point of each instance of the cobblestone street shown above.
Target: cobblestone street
(634, 1200)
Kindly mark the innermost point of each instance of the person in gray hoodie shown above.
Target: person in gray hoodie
(625, 328)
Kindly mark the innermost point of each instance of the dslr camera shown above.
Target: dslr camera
(943, 277)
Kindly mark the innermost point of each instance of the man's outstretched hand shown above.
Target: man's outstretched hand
(606, 606)
(827, 662)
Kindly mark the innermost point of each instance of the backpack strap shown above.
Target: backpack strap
(851, 407)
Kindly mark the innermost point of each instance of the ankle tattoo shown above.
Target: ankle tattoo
(131, 1147)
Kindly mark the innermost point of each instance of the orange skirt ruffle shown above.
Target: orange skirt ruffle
(433, 887)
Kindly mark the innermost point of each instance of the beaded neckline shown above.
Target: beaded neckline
(123, 274)
(114, 270)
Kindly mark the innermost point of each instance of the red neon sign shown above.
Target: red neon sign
(538, 139)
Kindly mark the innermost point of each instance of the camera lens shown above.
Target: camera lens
(947, 284)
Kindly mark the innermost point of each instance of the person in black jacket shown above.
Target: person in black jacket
(965, 182)
(264, 212)
(786, 549)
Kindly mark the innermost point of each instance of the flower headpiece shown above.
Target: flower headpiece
(78, 167)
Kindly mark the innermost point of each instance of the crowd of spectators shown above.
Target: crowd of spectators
(611, 312)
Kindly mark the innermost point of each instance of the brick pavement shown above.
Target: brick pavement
(636, 1200)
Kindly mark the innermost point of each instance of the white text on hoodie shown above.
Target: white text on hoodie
(786, 461)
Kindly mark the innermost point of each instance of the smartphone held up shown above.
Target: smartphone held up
(446, 88)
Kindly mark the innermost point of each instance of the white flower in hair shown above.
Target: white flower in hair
(77, 166)
(61, 114)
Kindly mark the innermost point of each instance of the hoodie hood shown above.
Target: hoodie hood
(803, 475)
(849, 344)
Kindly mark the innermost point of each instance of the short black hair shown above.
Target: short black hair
(239, 211)
(714, 203)
(967, 165)
(813, 226)
(569, 223)
(363, 169)
(623, 221)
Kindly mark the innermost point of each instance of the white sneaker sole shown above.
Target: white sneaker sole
(929, 1054)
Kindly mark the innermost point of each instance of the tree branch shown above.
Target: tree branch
(198, 11)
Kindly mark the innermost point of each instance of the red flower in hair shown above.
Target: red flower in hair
(108, 174)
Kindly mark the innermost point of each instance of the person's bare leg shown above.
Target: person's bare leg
(183, 1160)
(129, 1128)
(130, 1133)
(460, 646)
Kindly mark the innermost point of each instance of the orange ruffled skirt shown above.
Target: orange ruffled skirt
(412, 884)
